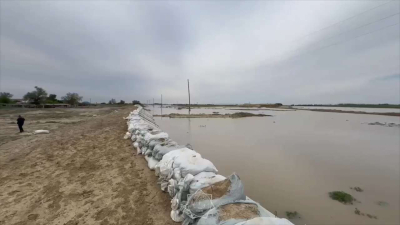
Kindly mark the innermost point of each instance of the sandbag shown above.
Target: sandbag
(177, 216)
(164, 168)
(149, 137)
(144, 150)
(127, 135)
(266, 221)
(151, 162)
(193, 165)
(163, 148)
(133, 138)
(204, 179)
(153, 143)
(223, 192)
(234, 213)
(41, 132)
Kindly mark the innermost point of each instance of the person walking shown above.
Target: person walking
(20, 122)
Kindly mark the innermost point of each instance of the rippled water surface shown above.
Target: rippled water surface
(290, 161)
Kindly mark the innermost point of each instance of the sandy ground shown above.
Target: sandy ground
(83, 172)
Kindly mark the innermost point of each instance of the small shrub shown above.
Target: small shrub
(291, 215)
(371, 216)
(342, 197)
(358, 189)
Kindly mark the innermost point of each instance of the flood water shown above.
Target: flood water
(370, 110)
(290, 161)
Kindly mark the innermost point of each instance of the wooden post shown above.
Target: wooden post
(189, 95)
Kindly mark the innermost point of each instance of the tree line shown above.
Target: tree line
(39, 96)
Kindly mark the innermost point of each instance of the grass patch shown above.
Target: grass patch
(358, 189)
(358, 212)
(291, 215)
(342, 197)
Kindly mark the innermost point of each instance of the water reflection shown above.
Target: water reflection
(292, 164)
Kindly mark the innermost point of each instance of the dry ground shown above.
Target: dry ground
(83, 172)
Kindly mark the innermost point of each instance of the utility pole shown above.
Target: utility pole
(189, 95)
(161, 100)
(153, 102)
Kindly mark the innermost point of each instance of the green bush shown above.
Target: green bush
(291, 215)
(342, 197)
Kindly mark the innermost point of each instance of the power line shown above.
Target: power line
(348, 31)
(344, 20)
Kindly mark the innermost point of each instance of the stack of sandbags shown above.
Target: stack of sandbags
(226, 191)
(199, 195)
(234, 213)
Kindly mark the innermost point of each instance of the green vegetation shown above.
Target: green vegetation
(371, 216)
(358, 212)
(37, 97)
(72, 98)
(52, 99)
(342, 197)
(291, 215)
(112, 101)
(5, 97)
(382, 203)
(358, 189)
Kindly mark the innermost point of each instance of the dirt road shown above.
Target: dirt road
(80, 173)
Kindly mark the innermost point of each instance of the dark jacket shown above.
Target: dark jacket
(20, 121)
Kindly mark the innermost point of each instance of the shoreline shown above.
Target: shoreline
(353, 112)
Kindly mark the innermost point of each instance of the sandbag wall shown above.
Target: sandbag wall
(199, 194)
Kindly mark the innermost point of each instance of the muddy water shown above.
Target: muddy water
(289, 162)
(370, 110)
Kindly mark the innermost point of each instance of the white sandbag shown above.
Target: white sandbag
(204, 199)
(204, 179)
(41, 132)
(266, 221)
(144, 149)
(133, 138)
(263, 211)
(127, 135)
(172, 190)
(226, 214)
(165, 166)
(163, 148)
(153, 143)
(176, 216)
(152, 163)
(193, 164)
(149, 137)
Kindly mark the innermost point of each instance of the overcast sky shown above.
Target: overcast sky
(232, 52)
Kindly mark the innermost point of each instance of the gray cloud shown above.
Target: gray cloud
(233, 52)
